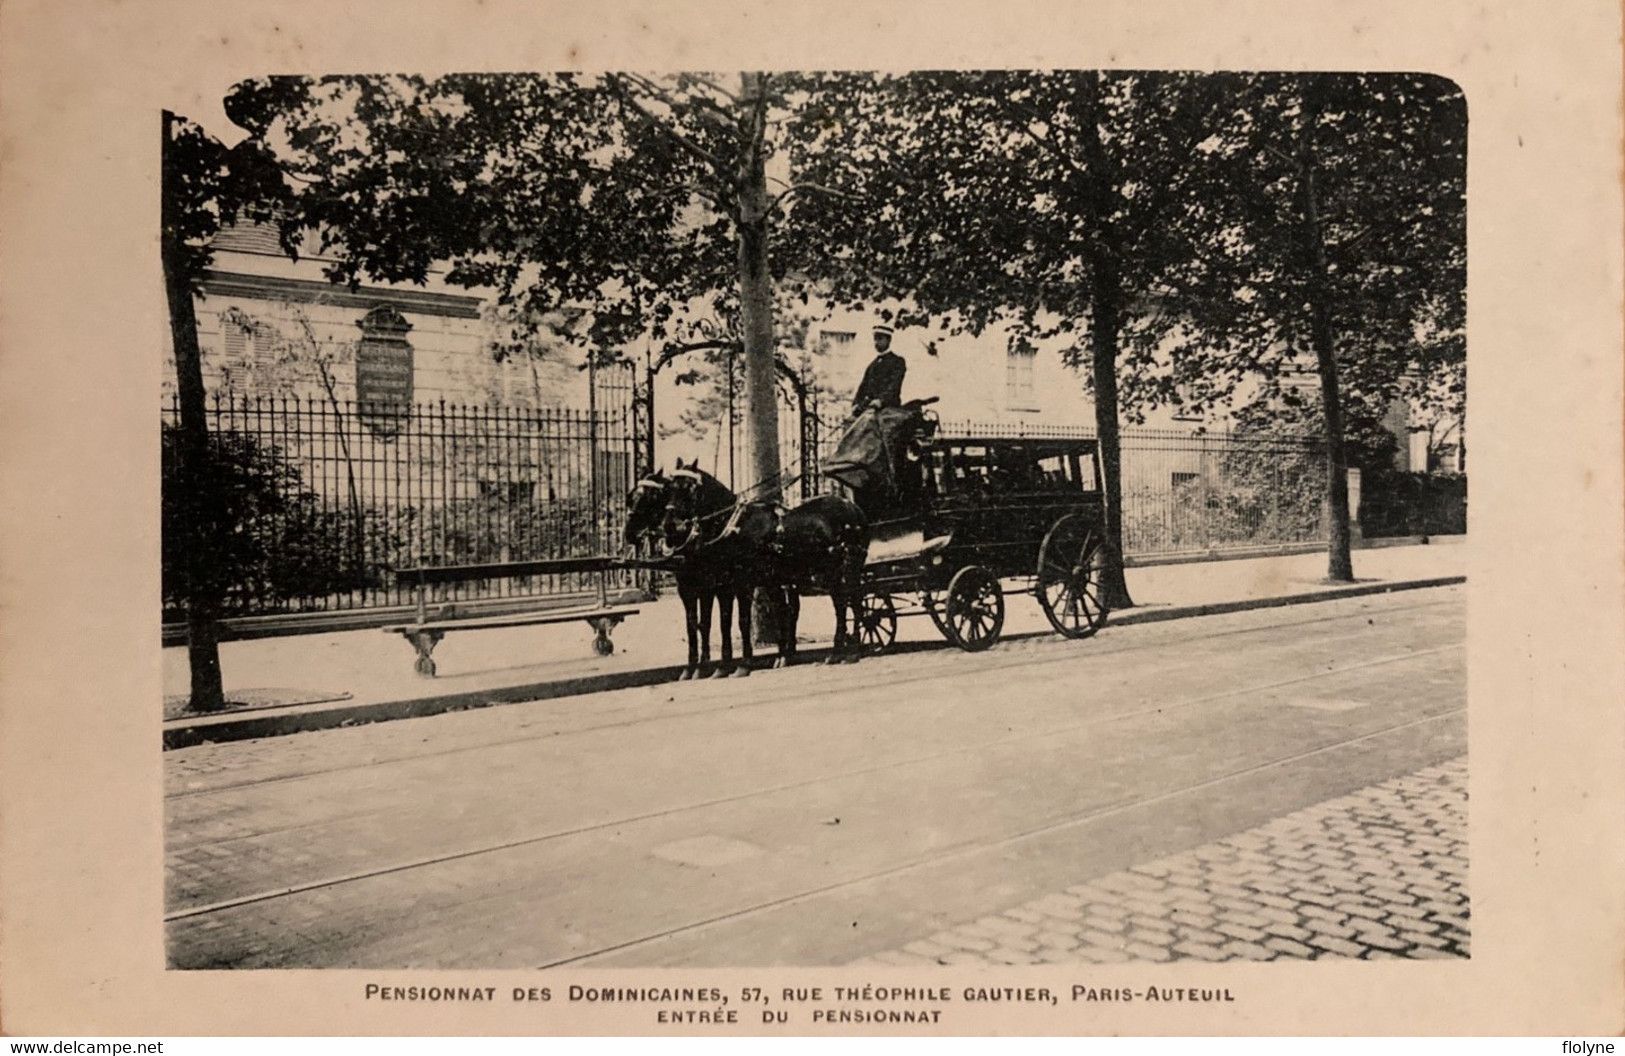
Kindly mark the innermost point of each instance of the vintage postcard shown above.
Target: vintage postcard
(716, 519)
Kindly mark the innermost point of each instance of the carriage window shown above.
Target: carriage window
(1085, 469)
(1055, 472)
(1015, 470)
(967, 470)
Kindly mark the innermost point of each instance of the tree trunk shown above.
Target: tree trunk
(202, 601)
(756, 322)
(1106, 298)
(1339, 561)
(1103, 339)
(756, 301)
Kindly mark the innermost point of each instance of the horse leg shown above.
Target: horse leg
(837, 654)
(844, 595)
(706, 599)
(788, 623)
(784, 622)
(851, 598)
(725, 610)
(779, 609)
(691, 625)
(849, 617)
(744, 599)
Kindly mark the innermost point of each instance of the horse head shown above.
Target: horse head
(693, 497)
(646, 507)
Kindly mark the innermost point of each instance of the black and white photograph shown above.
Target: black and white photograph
(1118, 416)
(916, 543)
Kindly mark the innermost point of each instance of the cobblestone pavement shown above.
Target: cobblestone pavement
(1380, 873)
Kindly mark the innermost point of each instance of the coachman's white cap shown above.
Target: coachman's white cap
(883, 328)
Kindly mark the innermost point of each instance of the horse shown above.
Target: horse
(820, 545)
(705, 576)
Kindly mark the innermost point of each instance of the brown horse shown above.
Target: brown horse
(818, 546)
(706, 577)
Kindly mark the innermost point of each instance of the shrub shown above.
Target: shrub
(263, 538)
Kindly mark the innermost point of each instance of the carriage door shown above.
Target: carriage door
(1028, 502)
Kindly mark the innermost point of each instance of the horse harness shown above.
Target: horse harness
(733, 512)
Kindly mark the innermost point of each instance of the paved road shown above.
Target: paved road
(1378, 874)
(829, 815)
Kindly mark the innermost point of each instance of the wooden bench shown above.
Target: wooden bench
(429, 627)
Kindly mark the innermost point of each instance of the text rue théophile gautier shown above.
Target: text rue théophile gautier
(713, 1006)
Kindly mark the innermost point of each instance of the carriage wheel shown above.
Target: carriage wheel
(1071, 561)
(936, 608)
(877, 622)
(975, 609)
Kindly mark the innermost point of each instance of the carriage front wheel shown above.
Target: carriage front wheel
(1071, 562)
(877, 622)
(974, 613)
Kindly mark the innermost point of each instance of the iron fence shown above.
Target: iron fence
(805, 437)
(1220, 491)
(326, 499)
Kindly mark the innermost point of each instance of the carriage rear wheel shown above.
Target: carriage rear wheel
(877, 622)
(975, 609)
(1071, 561)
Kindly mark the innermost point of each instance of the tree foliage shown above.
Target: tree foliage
(1185, 234)
(1058, 202)
(520, 184)
(208, 186)
(1181, 234)
(1389, 157)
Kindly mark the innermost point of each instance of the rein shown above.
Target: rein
(733, 512)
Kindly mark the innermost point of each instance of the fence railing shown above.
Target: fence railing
(327, 499)
(1198, 491)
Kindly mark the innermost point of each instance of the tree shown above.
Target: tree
(641, 203)
(1190, 234)
(1185, 234)
(203, 186)
(1056, 202)
(1344, 237)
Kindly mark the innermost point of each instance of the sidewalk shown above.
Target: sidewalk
(317, 681)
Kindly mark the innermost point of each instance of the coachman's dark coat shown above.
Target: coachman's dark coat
(882, 383)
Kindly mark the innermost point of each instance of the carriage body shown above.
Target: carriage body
(979, 517)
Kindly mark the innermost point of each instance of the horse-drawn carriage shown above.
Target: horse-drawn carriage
(965, 520)
(935, 525)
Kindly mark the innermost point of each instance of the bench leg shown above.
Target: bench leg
(424, 642)
(603, 625)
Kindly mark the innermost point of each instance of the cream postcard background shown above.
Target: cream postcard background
(82, 328)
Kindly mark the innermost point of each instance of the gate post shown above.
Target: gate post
(643, 423)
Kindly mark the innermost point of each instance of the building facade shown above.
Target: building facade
(275, 328)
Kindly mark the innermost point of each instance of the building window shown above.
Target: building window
(1020, 392)
(837, 341)
(251, 351)
(1185, 403)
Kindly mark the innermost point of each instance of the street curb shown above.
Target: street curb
(217, 729)
(1218, 608)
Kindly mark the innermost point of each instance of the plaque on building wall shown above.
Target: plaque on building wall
(383, 371)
